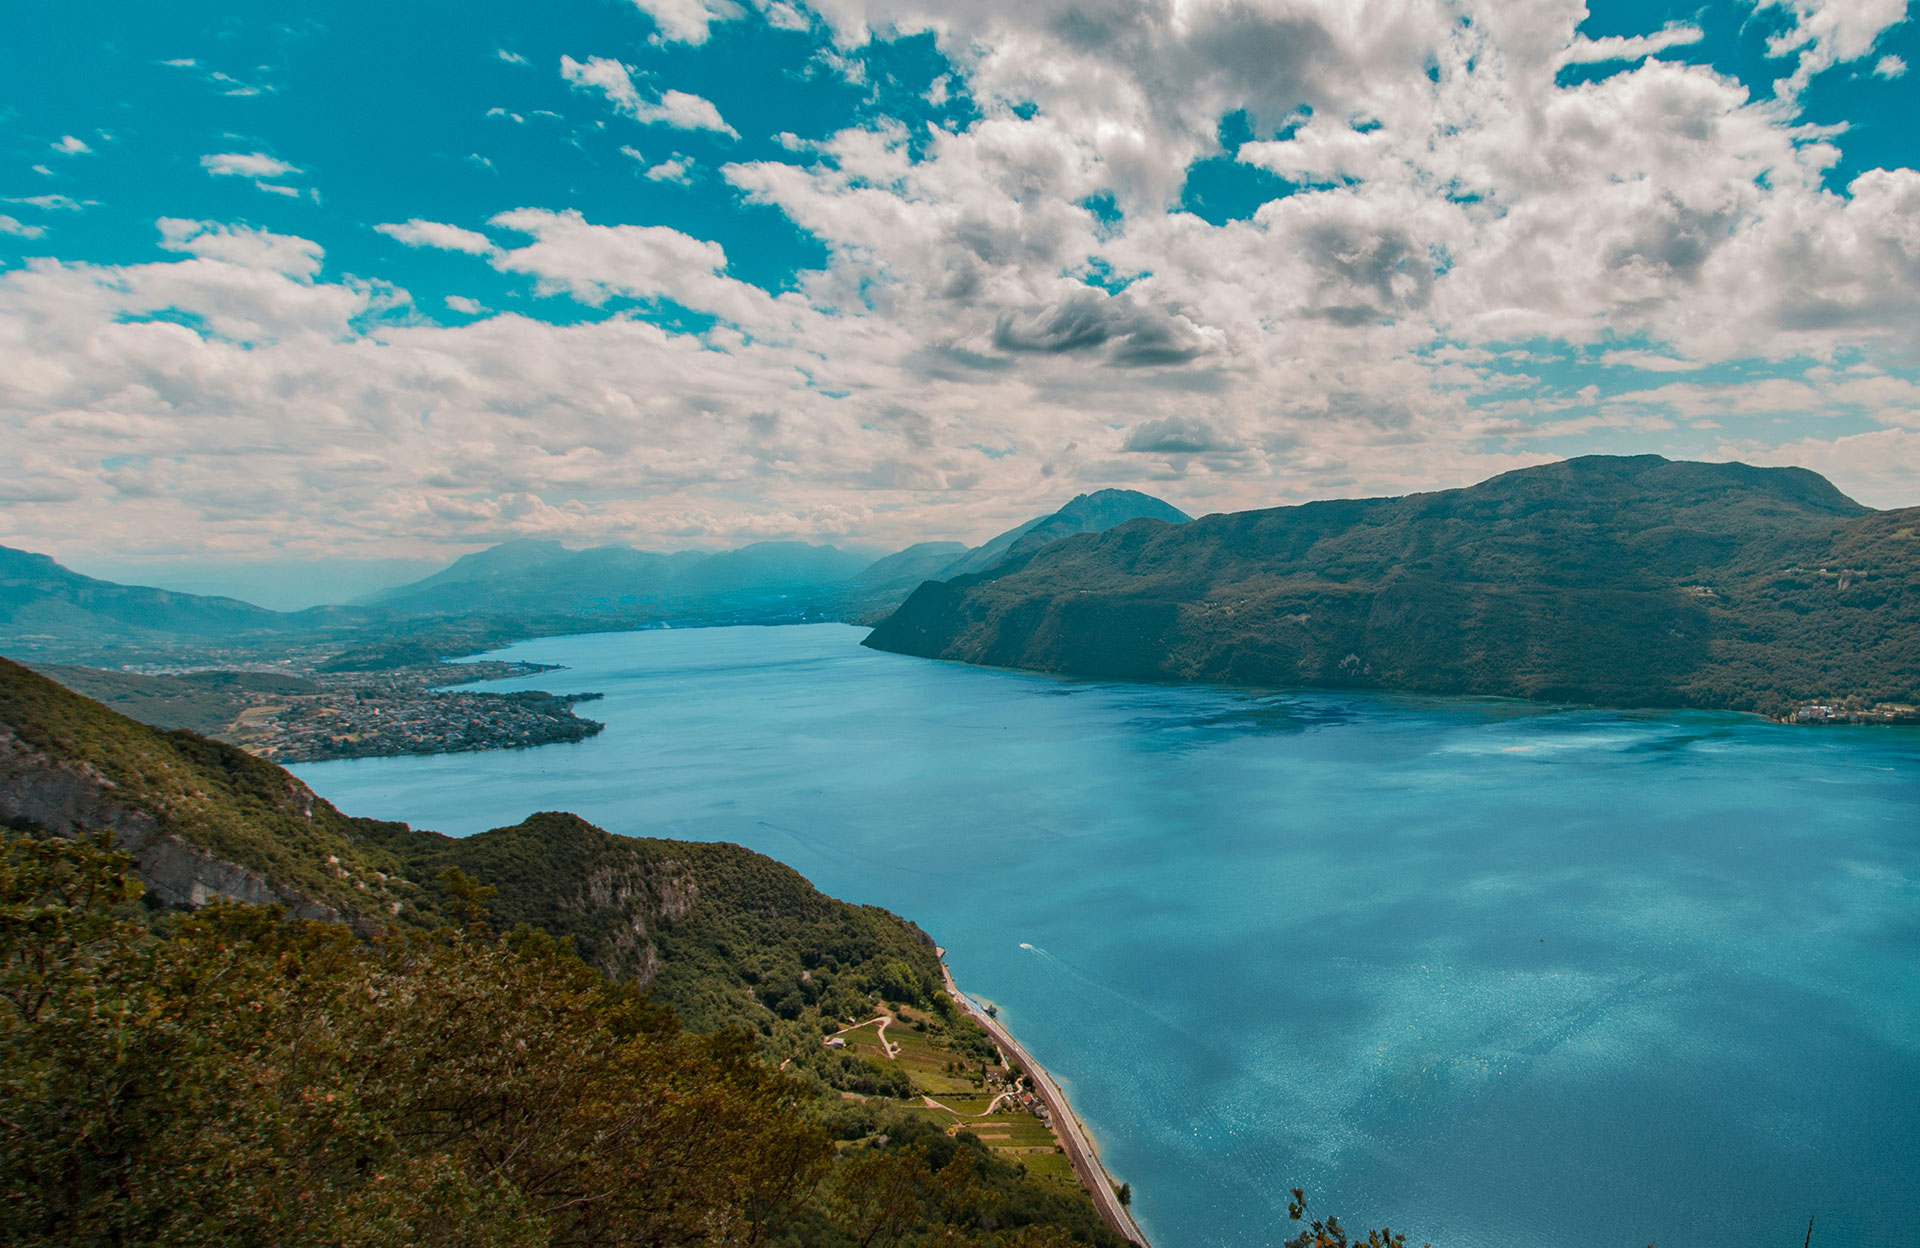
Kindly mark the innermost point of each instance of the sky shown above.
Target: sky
(374, 285)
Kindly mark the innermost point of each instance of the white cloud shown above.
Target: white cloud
(1827, 33)
(70, 146)
(1890, 66)
(678, 109)
(679, 169)
(1647, 362)
(512, 58)
(12, 225)
(783, 16)
(242, 245)
(676, 170)
(246, 165)
(418, 233)
(948, 368)
(1584, 51)
(593, 263)
(48, 203)
(686, 21)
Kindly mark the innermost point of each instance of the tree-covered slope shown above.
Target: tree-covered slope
(439, 1068)
(229, 1078)
(721, 933)
(1626, 581)
(1085, 513)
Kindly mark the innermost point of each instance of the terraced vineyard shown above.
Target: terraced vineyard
(957, 1092)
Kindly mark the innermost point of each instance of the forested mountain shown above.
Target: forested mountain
(774, 580)
(1627, 581)
(1086, 513)
(518, 589)
(545, 578)
(203, 819)
(422, 1058)
(41, 598)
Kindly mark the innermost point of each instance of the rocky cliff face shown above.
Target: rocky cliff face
(69, 797)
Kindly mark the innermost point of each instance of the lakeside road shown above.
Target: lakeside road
(1086, 1162)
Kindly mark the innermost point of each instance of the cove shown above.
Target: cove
(1499, 975)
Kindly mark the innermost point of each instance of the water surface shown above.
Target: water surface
(1496, 974)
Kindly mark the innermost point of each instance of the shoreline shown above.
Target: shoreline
(1073, 1135)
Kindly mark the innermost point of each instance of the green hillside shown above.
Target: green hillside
(1623, 581)
(700, 923)
(463, 1043)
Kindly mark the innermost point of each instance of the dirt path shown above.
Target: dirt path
(985, 1113)
(1086, 1163)
(885, 1020)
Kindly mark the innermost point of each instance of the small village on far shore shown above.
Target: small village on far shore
(1843, 712)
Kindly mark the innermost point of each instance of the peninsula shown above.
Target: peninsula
(300, 712)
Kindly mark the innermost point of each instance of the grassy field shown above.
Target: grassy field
(961, 1091)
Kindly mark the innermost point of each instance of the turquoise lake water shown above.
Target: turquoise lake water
(1502, 976)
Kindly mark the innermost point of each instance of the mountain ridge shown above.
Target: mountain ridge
(521, 588)
(1634, 581)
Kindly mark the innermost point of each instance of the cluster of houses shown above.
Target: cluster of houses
(1838, 713)
(357, 724)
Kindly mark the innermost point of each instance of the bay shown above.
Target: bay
(1494, 973)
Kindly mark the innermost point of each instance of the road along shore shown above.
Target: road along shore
(1086, 1162)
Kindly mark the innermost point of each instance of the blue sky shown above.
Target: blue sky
(389, 282)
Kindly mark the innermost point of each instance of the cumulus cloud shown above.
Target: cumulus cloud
(1017, 309)
(246, 165)
(686, 21)
(614, 80)
(70, 146)
(594, 263)
(679, 170)
(1177, 435)
(242, 245)
(418, 233)
(1089, 320)
(1827, 33)
(1585, 51)
(17, 228)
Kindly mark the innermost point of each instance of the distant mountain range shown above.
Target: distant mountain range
(522, 577)
(1624, 581)
(522, 588)
(535, 577)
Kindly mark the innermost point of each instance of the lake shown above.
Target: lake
(1501, 975)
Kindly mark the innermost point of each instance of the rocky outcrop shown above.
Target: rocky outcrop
(68, 797)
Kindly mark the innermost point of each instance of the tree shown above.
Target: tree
(248, 1079)
(1330, 1234)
